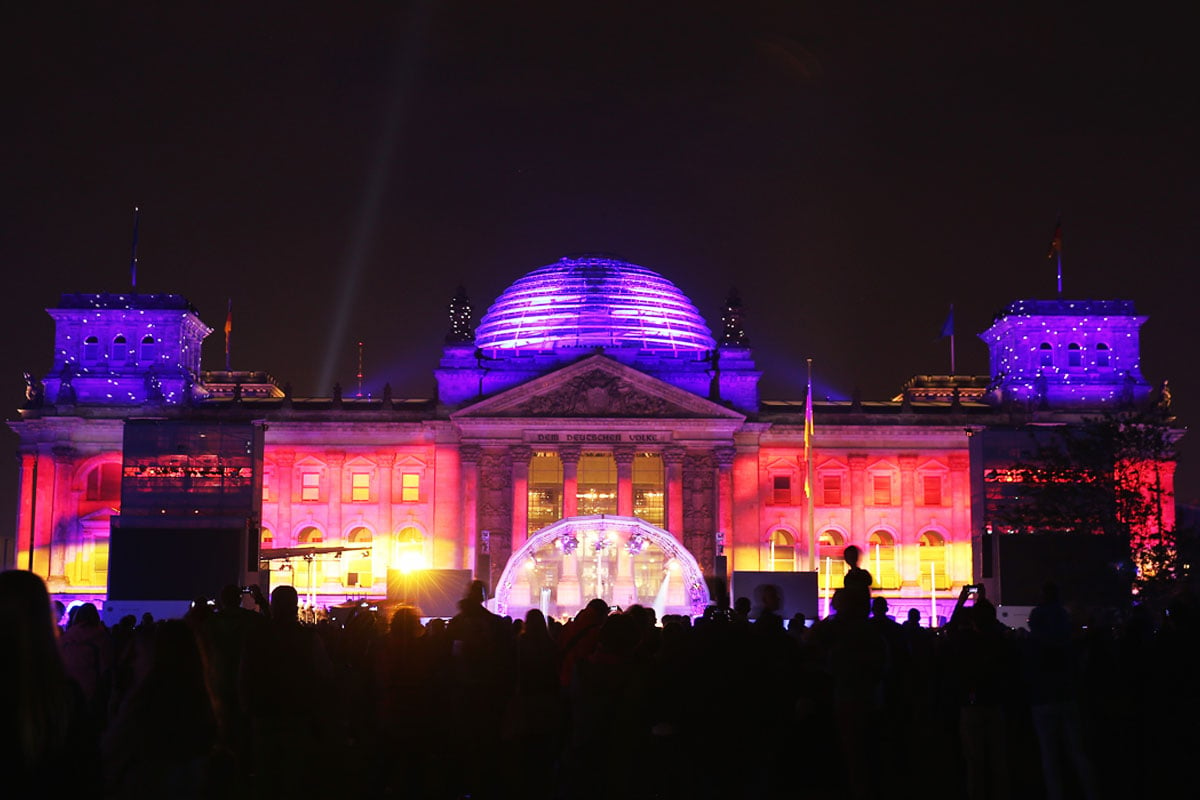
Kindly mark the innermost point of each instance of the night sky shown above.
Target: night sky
(852, 168)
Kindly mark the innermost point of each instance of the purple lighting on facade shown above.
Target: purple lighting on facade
(593, 301)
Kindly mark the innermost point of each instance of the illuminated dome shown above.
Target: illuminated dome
(593, 301)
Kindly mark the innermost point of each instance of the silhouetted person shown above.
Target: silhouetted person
(47, 744)
(163, 740)
(88, 655)
(856, 656)
(856, 579)
(481, 661)
(1052, 675)
(982, 660)
(228, 631)
(287, 692)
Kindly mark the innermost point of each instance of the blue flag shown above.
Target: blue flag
(948, 325)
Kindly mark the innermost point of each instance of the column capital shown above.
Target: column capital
(673, 456)
(724, 456)
(470, 453)
(63, 453)
(284, 458)
(959, 461)
(623, 454)
(569, 453)
(908, 461)
(520, 454)
(386, 460)
(858, 461)
(335, 458)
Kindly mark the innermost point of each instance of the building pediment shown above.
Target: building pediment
(595, 387)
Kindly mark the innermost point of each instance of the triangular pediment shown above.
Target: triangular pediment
(598, 386)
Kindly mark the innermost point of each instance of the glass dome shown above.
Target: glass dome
(593, 301)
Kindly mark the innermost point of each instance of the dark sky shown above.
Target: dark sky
(852, 168)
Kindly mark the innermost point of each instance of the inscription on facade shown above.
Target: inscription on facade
(579, 437)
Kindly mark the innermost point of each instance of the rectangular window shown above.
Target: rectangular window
(410, 487)
(782, 495)
(310, 486)
(882, 485)
(266, 493)
(831, 490)
(932, 485)
(360, 487)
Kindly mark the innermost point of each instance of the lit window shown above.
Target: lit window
(1101, 355)
(310, 486)
(266, 486)
(831, 490)
(360, 487)
(782, 495)
(147, 353)
(882, 485)
(1047, 354)
(120, 350)
(410, 487)
(932, 485)
(1074, 355)
(782, 551)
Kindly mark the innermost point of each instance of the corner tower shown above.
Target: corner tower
(1067, 354)
(124, 350)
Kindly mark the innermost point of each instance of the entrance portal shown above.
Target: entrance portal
(623, 560)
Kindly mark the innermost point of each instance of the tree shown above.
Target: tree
(1109, 475)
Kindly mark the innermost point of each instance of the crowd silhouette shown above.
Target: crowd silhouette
(611, 703)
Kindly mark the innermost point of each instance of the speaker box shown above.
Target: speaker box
(435, 591)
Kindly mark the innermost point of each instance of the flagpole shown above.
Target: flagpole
(953, 371)
(808, 472)
(133, 250)
(228, 331)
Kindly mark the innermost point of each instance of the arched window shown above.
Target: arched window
(831, 566)
(91, 349)
(880, 560)
(1046, 354)
(309, 572)
(782, 551)
(120, 350)
(933, 560)
(268, 539)
(409, 551)
(359, 565)
(104, 483)
(148, 349)
(1074, 355)
(1101, 355)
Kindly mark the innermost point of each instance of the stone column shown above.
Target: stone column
(569, 456)
(624, 458)
(468, 455)
(26, 507)
(520, 455)
(64, 516)
(673, 459)
(858, 467)
(960, 515)
(284, 460)
(335, 459)
(908, 560)
(724, 457)
(384, 556)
